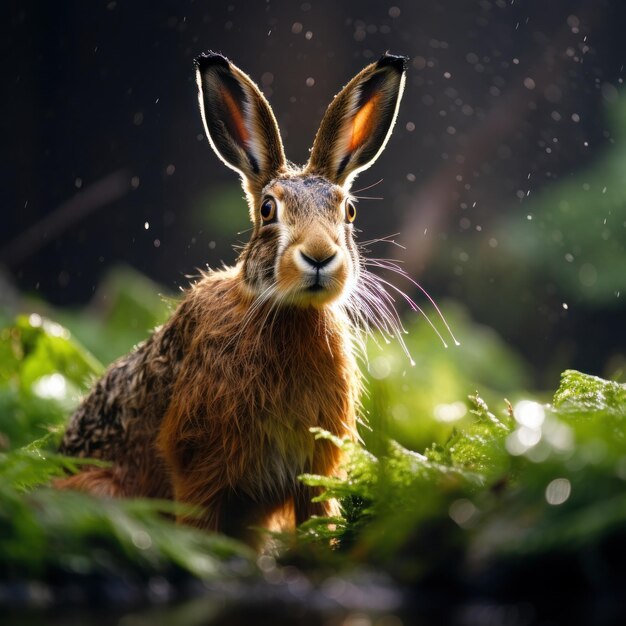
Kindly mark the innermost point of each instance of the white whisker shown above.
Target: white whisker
(372, 306)
(369, 186)
(394, 267)
(414, 306)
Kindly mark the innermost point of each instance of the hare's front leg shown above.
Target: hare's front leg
(198, 480)
(201, 496)
(196, 470)
(223, 509)
(203, 478)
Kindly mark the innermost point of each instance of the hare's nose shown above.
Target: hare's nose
(316, 263)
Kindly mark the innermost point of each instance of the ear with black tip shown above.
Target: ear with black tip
(359, 121)
(238, 121)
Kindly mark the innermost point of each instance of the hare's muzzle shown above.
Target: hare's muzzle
(314, 273)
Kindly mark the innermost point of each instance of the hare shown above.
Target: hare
(215, 408)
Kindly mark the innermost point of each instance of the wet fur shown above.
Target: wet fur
(234, 435)
(215, 408)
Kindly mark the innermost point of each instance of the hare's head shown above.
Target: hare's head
(301, 250)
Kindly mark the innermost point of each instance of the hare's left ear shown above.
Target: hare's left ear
(238, 121)
(359, 121)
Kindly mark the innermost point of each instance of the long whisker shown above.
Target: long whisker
(394, 267)
(372, 298)
(369, 186)
(414, 306)
(386, 239)
(388, 302)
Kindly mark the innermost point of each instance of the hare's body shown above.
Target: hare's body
(215, 409)
(178, 419)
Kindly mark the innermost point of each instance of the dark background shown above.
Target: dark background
(504, 99)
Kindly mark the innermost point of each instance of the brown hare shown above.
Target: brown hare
(214, 409)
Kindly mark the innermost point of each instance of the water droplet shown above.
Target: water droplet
(558, 491)
(51, 386)
(462, 512)
(529, 414)
(588, 275)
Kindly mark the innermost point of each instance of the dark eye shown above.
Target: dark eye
(350, 212)
(268, 209)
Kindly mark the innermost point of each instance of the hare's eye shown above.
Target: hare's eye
(268, 210)
(350, 212)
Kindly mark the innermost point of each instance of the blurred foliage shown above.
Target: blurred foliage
(42, 372)
(444, 488)
(576, 234)
(570, 236)
(45, 532)
(127, 306)
(436, 387)
(534, 480)
(221, 212)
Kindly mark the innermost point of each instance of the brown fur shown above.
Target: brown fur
(248, 438)
(215, 409)
(101, 482)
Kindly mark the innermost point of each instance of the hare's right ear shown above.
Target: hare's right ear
(238, 121)
(359, 121)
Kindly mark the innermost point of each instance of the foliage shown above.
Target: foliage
(420, 404)
(44, 531)
(443, 488)
(550, 263)
(41, 374)
(577, 233)
(536, 479)
(126, 307)
(568, 235)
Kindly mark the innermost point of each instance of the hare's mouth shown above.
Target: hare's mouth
(320, 290)
(318, 281)
(315, 287)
